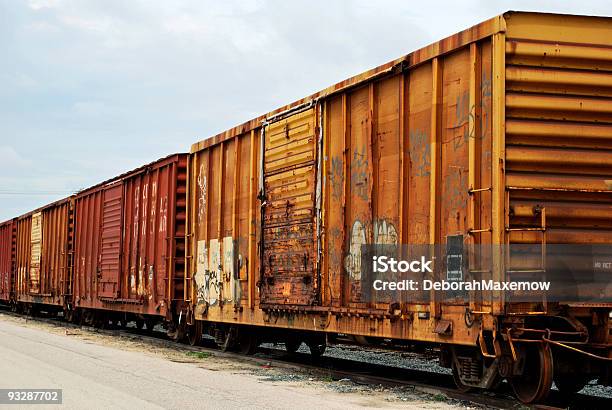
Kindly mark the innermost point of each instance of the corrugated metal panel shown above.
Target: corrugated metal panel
(289, 253)
(35, 253)
(129, 239)
(24, 249)
(42, 249)
(559, 140)
(110, 241)
(54, 257)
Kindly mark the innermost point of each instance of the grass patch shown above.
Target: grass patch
(440, 397)
(199, 355)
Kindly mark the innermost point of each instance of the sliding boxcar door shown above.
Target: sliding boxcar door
(110, 252)
(289, 247)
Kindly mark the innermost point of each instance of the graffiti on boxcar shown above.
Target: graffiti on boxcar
(466, 114)
(140, 290)
(352, 261)
(455, 188)
(145, 203)
(382, 231)
(136, 212)
(385, 233)
(154, 207)
(228, 278)
(215, 277)
(420, 153)
(200, 275)
(202, 187)
(335, 258)
(163, 214)
(336, 177)
(150, 282)
(359, 174)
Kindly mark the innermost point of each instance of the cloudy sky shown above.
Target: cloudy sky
(90, 89)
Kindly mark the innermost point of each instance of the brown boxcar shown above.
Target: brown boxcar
(7, 261)
(42, 261)
(498, 135)
(129, 251)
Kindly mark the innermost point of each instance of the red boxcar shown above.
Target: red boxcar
(43, 251)
(7, 261)
(129, 246)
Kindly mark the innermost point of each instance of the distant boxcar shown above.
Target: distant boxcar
(42, 260)
(129, 252)
(7, 261)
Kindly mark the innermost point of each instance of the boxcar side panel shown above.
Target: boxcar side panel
(55, 248)
(24, 251)
(129, 240)
(390, 148)
(7, 261)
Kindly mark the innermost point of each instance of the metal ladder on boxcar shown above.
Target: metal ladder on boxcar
(179, 237)
(538, 229)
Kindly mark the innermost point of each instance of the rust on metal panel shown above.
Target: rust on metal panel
(35, 253)
(110, 241)
(558, 142)
(7, 260)
(129, 245)
(42, 244)
(448, 141)
(289, 233)
(54, 251)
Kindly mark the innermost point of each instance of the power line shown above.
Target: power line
(35, 193)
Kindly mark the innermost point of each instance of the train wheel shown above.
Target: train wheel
(570, 384)
(194, 333)
(149, 324)
(69, 315)
(464, 388)
(292, 344)
(139, 324)
(534, 384)
(317, 349)
(248, 343)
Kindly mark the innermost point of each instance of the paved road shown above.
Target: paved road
(96, 376)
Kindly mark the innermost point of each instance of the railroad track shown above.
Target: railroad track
(429, 382)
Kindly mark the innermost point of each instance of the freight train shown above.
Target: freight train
(499, 135)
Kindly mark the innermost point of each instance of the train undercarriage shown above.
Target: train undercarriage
(530, 352)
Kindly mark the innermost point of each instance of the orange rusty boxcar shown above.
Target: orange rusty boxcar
(7, 261)
(129, 251)
(498, 135)
(42, 260)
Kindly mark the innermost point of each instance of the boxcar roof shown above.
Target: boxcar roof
(483, 30)
(128, 174)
